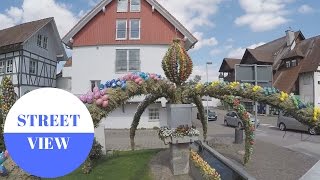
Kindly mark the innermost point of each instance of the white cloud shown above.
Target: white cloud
(63, 16)
(192, 13)
(202, 42)
(213, 72)
(215, 52)
(263, 15)
(239, 52)
(304, 9)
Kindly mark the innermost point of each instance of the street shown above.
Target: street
(295, 140)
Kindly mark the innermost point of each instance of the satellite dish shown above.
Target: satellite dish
(104, 9)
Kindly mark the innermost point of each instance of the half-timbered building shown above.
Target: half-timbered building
(29, 54)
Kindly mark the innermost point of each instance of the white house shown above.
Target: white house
(118, 37)
(29, 54)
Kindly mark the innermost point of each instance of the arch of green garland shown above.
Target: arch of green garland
(108, 98)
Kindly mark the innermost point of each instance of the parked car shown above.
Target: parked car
(285, 121)
(233, 119)
(212, 116)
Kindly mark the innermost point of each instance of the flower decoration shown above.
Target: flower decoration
(215, 83)
(177, 65)
(316, 113)
(199, 86)
(232, 85)
(256, 88)
(181, 131)
(283, 96)
(207, 172)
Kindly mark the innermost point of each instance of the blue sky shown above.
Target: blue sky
(224, 27)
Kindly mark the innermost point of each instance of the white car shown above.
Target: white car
(233, 119)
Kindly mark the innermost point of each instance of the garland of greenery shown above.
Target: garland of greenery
(177, 68)
(248, 125)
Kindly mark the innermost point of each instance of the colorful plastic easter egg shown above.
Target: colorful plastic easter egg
(105, 98)
(97, 95)
(99, 102)
(105, 104)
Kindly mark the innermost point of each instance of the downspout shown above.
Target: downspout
(314, 89)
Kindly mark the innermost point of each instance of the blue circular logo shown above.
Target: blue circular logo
(49, 132)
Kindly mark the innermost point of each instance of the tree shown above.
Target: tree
(8, 98)
(194, 81)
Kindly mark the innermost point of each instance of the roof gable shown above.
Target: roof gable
(22, 32)
(17, 35)
(190, 41)
(228, 64)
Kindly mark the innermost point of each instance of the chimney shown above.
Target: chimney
(289, 37)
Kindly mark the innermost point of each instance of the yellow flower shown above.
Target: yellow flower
(215, 83)
(256, 88)
(199, 86)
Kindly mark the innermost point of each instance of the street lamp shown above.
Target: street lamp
(208, 63)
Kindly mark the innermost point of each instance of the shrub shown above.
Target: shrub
(94, 155)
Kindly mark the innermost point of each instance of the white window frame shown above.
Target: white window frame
(154, 116)
(45, 42)
(126, 29)
(9, 66)
(118, 5)
(137, 10)
(32, 67)
(288, 64)
(294, 63)
(134, 38)
(2, 67)
(39, 40)
(128, 61)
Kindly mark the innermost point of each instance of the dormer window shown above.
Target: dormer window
(122, 6)
(291, 63)
(287, 64)
(135, 5)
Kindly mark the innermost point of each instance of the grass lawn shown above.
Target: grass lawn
(131, 165)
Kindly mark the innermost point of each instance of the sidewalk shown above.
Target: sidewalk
(269, 162)
(313, 173)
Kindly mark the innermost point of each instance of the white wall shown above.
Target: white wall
(98, 63)
(317, 88)
(306, 87)
(64, 83)
(122, 120)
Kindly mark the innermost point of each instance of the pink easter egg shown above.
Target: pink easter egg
(89, 100)
(140, 82)
(99, 102)
(103, 92)
(105, 98)
(137, 81)
(95, 89)
(97, 95)
(83, 98)
(105, 104)
(152, 76)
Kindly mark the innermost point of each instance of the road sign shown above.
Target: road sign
(261, 75)
(250, 73)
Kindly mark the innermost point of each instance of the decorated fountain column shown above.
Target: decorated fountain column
(180, 115)
(177, 66)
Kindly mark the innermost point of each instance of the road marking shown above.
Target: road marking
(265, 124)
